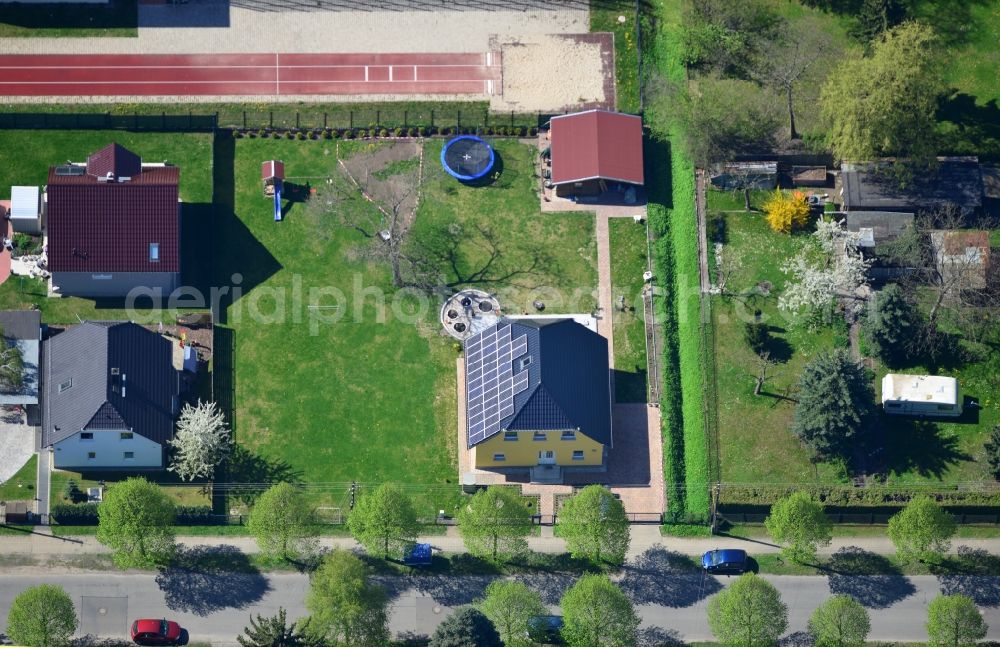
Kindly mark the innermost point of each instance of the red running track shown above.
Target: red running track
(248, 74)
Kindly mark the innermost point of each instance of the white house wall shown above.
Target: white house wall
(109, 448)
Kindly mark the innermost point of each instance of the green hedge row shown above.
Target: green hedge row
(686, 431)
(735, 495)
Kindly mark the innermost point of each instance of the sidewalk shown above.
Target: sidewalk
(643, 539)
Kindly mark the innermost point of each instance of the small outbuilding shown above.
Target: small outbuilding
(26, 209)
(921, 395)
(954, 181)
(745, 175)
(593, 149)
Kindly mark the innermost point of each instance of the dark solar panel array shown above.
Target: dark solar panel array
(490, 379)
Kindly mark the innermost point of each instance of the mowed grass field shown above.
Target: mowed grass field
(372, 397)
(25, 158)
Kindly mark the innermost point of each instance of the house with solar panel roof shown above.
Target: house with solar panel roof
(538, 397)
(113, 224)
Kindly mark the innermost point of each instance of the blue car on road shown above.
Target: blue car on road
(726, 561)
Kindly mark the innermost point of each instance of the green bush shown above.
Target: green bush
(79, 514)
(362, 133)
(685, 530)
(843, 496)
(397, 132)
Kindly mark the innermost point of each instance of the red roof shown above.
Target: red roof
(272, 168)
(596, 144)
(114, 159)
(99, 226)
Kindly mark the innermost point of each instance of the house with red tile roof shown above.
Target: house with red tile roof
(594, 149)
(113, 225)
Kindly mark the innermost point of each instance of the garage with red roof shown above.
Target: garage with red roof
(593, 148)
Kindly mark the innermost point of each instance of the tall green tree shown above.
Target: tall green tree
(890, 324)
(886, 104)
(954, 621)
(344, 608)
(494, 524)
(748, 613)
(384, 521)
(135, 521)
(275, 631)
(282, 521)
(42, 616)
(595, 525)
(835, 404)
(876, 17)
(992, 451)
(467, 627)
(596, 613)
(799, 523)
(509, 604)
(922, 530)
(841, 621)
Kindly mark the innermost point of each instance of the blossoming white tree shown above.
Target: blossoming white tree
(203, 440)
(832, 267)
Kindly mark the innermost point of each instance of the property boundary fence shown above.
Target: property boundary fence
(375, 118)
(108, 121)
(860, 518)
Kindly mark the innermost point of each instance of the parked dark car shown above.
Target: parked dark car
(545, 630)
(727, 561)
(156, 632)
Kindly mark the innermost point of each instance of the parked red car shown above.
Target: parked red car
(156, 632)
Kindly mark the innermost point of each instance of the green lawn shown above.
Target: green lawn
(628, 261)
(180, 494)
(25, 157)
(370, 398)
(604, 18)
(756, 444)
(22, 484)
(116, 18)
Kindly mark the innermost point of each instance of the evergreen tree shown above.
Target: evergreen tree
(467, 627)
(836, 403)
(890, 324)
(992, 449)
(274, 631)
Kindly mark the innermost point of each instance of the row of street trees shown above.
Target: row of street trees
(136, 520)
(921, 531)
(750, 613)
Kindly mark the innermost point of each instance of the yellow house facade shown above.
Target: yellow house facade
(538, 394)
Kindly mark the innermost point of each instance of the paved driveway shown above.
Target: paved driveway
(17, 444)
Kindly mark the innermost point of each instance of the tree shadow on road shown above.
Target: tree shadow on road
(972, 572)
(551, 586)
(206, 579)
(871, 579)
(662, 577)
(659, 637)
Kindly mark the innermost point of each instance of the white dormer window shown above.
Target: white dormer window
(154, 252)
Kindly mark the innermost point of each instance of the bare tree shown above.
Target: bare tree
(949, 262)
(803, 43)
(764, 363)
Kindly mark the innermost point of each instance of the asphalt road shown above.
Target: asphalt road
(215, 607)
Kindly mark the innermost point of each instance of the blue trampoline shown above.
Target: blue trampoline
(467, 158)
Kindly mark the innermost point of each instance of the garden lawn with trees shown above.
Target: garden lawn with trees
(371, 398)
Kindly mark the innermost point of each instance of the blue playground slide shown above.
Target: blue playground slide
(277, 202)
